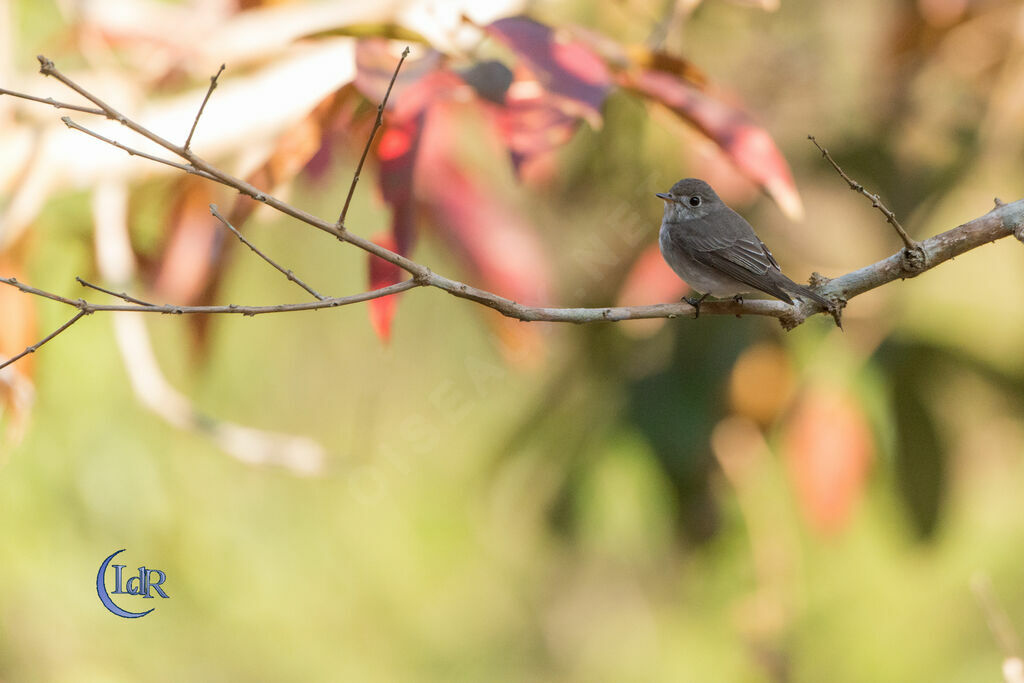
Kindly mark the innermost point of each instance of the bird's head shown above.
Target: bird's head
(689, 199)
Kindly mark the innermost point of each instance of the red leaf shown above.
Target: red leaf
(829, 448)
(381, 274)
(397, 151)
(567, 68)
(747, 145)
(493, 239)
(497, 245)
(531, 124)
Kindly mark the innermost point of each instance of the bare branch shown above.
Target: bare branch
(1003, 220)
(369, 141)
(213, 85)
(52, 102)
(187, 168)
(998, 223)
(287, 273)
(32, 349)
(876, 202)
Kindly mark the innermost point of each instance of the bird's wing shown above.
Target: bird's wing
(734, 250)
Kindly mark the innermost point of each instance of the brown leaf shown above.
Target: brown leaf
(189, 255)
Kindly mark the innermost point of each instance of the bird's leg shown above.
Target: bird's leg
(695, 303)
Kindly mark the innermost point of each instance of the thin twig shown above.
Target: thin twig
(119, 295)
(876, 202)
(369, 141)
(187, 168)
(209, 91)
(32, 349)
(287, 273)
(52, 102)
(172, 309)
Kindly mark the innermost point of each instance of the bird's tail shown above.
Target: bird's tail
(808, 293)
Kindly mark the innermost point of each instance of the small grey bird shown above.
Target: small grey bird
(715, 250)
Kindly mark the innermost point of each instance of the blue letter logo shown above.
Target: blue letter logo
(136, 585)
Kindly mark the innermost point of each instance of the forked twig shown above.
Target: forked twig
(287, 273)
(120, 295)
(369, 141)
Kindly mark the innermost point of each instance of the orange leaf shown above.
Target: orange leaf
(650, 281)
(828, 450)
(18, 327)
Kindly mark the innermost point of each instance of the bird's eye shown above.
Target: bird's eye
(695, 201)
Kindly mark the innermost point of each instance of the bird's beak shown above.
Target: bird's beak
(662, 195)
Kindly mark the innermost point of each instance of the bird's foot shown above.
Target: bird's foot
(695, 302)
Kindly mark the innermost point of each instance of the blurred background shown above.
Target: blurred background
(419, 489)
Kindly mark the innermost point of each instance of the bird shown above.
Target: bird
(715, 251)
